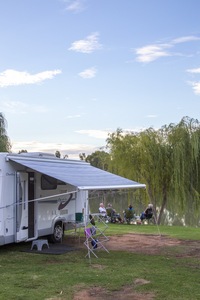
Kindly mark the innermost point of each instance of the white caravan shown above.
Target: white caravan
(40, 194)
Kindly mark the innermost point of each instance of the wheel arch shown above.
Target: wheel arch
(57, 220)
(57, 230)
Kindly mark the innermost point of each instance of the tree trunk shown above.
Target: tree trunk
(164, 202)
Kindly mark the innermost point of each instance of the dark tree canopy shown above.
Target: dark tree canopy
(99, 159)
(58, 154)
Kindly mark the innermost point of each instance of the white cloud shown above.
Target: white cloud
(196, 87)
(72, 150)
(195, 84)
(103, 134)
(88, 45)
(194, 71)
(99, 134)
(88, 73)
(75, 5)
(19, 107)
(185, 39)
(153, 52)
(133, 130)
(151, 116)
(12, 77)
(73, 116)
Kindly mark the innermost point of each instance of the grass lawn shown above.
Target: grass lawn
(34, 276)
(186, 233)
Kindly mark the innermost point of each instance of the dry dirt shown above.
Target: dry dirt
(138, 243)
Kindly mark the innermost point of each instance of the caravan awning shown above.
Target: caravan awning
(77, 173)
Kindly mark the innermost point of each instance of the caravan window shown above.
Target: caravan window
(48, 183)
(59, 182)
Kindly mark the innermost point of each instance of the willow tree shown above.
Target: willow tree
(184, 139)
(5, 145)
(156, 166)
(166, 160)
(142, 157)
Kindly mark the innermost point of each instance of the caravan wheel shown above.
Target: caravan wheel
(57, 235)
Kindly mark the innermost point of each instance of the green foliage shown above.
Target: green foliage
(99, 159)
(22, 151)
(5, 145)
(167, 160)
(82, 156)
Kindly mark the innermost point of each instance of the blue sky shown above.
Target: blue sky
(72, 71)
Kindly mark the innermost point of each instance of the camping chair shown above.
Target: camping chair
(111, 215)
(103, 216)
(93, 241)
(129, 216)
(148, 216)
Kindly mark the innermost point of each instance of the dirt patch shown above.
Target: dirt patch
(97, 293)
(153, 244)
(147, 244)
(150, 244)
(127, 292)
(138, 243)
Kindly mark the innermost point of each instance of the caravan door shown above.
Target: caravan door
(21, 207)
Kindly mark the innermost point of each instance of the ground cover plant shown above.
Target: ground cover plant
(143, 263)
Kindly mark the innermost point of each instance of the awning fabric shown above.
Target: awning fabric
(77, 173)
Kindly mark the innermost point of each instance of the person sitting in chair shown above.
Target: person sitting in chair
(111, 212)
(148, 213)
(129, 214)
(102, 210)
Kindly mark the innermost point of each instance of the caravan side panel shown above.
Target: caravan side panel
(51, 209)
(7, 202)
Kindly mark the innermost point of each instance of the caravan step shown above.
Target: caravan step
(39, 244)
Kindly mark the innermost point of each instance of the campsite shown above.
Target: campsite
(45, 196)
(100, 150)
(142, 263)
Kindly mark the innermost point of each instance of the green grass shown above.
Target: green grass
(179, 232)
(33, 276)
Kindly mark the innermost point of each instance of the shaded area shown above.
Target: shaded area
(53, 249)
